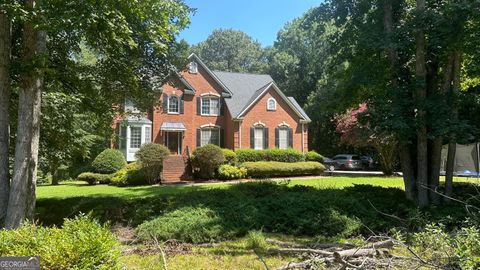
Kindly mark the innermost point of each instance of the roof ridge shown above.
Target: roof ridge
(244, 73)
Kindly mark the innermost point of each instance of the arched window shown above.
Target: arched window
(193, 68)
(271, 104)
(173, 106)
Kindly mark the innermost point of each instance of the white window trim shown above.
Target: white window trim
(209, 97)
(215, 128)
(286, 138)
(259, 124)
(274, 104)
(168, 104)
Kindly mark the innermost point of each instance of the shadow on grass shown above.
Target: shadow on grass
(268, 206)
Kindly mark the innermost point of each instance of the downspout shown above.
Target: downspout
(303, 138)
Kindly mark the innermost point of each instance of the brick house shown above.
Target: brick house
(232, 110)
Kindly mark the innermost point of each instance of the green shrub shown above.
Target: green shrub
(81, 243)
(130, 175)
(265, 169)
(230, 156)
(283, 155)
(207, 159)
(256, 240)
(313, 156)
(275, 154)
(194, 225)
(95, 178)
(108, 161)
(229, 172)
(250, 155)
(151, 156)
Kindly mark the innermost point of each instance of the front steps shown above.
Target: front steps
(176, 169)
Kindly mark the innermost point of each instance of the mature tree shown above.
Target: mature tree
(131, 41)
(231, 50)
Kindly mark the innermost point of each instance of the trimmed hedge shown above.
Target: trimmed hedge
(81, 243)
(230, 156)
(314, 156)
(95, 178)
(109, 161)
(265, 169)
(229, 172)
(130, 175)
(281, 155)
(151, 156)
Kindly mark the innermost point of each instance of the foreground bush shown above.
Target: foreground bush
(95, 178)
(459, 249)
(194, 225)
(81, 243)
(108, 161)
(229, 172)
(230, 156)
(313, 156)
(130, 175)
(207, 159)
(280, 155)
(264, 169)
(151, 156)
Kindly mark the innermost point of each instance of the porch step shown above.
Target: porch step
(176, 169)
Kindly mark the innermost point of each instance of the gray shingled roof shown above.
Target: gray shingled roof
(299, 108)
(243, 87)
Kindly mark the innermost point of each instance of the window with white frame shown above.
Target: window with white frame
(258, 138)
(173, 106)
(210, 105)
(135, 137)
(193, 67)
(148, 134)
(122, 137)
(271, 104)
(209, 136)
(283, 138)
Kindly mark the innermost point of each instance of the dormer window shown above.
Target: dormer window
(173, 106)
(193, 67)
(271, 104)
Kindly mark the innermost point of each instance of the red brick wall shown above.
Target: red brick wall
(202, 83)
(271, 119)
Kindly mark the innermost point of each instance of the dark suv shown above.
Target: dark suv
(347, 162)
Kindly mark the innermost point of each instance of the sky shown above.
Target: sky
(260, 19)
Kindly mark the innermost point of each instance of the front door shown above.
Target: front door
(174, 142)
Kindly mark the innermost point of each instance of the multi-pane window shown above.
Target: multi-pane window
(135, 137)
(258, 138)
(123, 137)
(148, 134)
(283, 138)
(210, 106)
(173, 104)
(210, 136)
(271, 104)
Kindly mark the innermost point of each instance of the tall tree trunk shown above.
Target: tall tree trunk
(404, 152)
(5, 44)
(436, 146)
(452, 146)
(21, 203)
(420, 98)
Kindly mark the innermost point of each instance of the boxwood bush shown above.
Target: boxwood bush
(95, 178)
(81, 243)
(265, 169)
(313, 156)
(229, 172)
(230, 156)
(109, 161)
(151, 156)
(130, 175)
(207, 159)
(275, 154)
